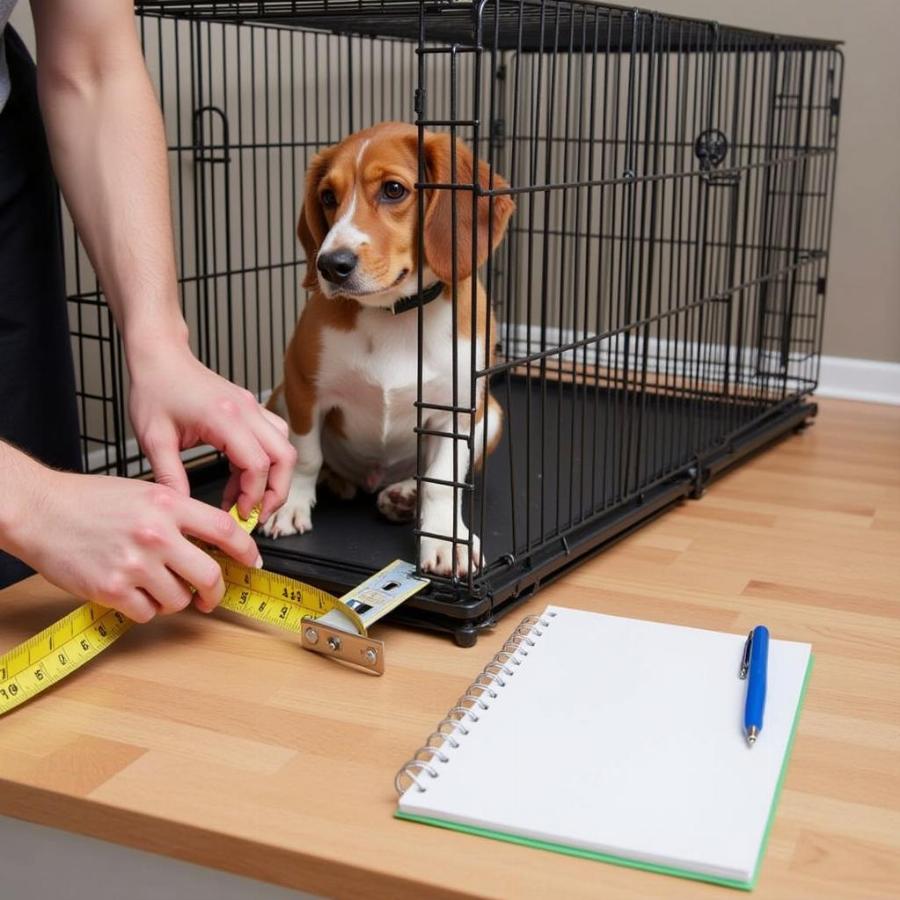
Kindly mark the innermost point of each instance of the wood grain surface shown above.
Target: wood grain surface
(209, 741)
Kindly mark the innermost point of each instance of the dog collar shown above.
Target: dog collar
(426, 296)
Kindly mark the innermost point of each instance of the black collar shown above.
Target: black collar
(428, 294)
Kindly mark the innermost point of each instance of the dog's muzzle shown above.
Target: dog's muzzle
(337, 266)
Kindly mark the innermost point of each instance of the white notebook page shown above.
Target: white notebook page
(625, 737)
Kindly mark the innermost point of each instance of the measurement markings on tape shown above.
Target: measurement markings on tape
(56, 651)
(267, 597)
(277, 599)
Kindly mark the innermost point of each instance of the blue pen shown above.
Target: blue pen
(755, 664)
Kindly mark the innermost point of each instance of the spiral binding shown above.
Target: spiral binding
(468, 709)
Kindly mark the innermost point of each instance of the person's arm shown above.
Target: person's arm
(108, 147)
(118, 541)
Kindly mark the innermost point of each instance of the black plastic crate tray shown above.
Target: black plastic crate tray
(579, 439)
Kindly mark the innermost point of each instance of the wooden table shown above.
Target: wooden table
(207, 741)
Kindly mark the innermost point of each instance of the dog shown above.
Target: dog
(351, 369)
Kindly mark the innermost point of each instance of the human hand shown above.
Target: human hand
(122, 542)
(177, 403)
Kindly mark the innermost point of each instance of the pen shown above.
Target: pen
(754, 664)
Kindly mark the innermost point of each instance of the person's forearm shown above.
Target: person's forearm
(108, 146)
(21, 480)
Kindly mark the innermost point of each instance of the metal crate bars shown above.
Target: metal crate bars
(659, 294)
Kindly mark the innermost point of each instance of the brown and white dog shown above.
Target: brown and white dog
(350, 371)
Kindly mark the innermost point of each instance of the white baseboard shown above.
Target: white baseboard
(844, 378)
(841, 377)
(859, 379)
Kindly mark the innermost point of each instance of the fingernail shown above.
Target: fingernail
(259, 563)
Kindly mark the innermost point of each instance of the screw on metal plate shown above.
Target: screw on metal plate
(347, 646)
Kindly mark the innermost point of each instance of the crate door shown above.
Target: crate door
(802, 107)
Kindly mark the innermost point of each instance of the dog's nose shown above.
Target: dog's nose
(337, 266)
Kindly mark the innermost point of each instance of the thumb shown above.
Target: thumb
(161, 447)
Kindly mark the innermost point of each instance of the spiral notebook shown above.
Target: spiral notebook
(618, 740)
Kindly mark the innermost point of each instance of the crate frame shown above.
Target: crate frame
(466, 70)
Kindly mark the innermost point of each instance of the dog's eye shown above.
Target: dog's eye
(327, 199)
(393, 190)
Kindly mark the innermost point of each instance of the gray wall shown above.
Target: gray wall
(862, 316)
(863, 312)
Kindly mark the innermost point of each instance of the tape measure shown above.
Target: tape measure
(340, 626)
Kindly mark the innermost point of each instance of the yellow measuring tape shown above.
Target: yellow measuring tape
(267, 597)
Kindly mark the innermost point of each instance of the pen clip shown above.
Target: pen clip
(745, 660)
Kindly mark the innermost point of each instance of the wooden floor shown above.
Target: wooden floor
(209, 742)
(806, 538)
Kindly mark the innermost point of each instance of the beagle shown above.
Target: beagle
(351, 368)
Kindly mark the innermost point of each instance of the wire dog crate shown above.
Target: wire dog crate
(659, 293)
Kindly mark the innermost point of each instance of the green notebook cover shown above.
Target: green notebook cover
(636, 864)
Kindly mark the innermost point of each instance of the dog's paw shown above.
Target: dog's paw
(295, 517)
(397, 502)
(444, 558)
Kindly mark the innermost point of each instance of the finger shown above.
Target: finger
(201, 571)
(169, 593)
(216, 527)
(245, 453)
(271, 502)
(161, 447)
(283, 458)
(232, 490)
(137, 605)
(202, 606)
(276, 420)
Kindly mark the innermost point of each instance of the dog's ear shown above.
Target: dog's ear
(492, 213)
(312, 225)
(311, 248)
